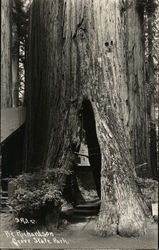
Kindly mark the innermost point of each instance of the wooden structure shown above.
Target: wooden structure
(82, 159)
(11, 120)
(12, 135)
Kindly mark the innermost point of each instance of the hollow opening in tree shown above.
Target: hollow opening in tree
(94, 153)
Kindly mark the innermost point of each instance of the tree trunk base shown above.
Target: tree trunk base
(130, 227)
(107, 220)
(126, 225)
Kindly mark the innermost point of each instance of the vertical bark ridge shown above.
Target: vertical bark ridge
(6, 73)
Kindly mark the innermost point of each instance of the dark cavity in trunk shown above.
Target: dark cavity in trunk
(92, 142)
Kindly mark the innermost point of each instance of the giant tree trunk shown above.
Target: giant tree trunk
(86, 60)
(151, 90)
(6, 95)
(15, 66)
(6, 76)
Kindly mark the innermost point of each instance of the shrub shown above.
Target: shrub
(34, 193)
(149, 190)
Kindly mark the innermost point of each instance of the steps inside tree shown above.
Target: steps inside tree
(90, 204)
(82, 212)
(85, 211)
(75, 219)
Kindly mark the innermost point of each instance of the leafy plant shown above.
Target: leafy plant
(33, 194)
(149, 190)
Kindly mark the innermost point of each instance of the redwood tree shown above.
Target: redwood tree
(86, 59)
(6, 76)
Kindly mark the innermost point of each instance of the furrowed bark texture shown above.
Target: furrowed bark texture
(15, 66)
(150, 98)
(6, 100)
(90, 51)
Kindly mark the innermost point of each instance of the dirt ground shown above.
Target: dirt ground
(77, 235)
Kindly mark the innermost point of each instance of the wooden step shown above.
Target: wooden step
(76, 217)
(3, 198)
(79, 218)
(95, 205)
(80, 213)
(85, 211)
(93, 201)
(3, 192)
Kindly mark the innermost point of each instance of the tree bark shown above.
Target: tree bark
(15, 66)
(6, 76)
(151, 91)
(86, 59)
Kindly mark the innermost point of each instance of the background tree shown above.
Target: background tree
(13, 46)
(20, 12)
(6, 74)
(151, 51)
(86, 59)
(6, 99)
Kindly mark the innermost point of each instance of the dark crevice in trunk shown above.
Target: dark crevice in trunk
(153, 151)
(92, 142)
